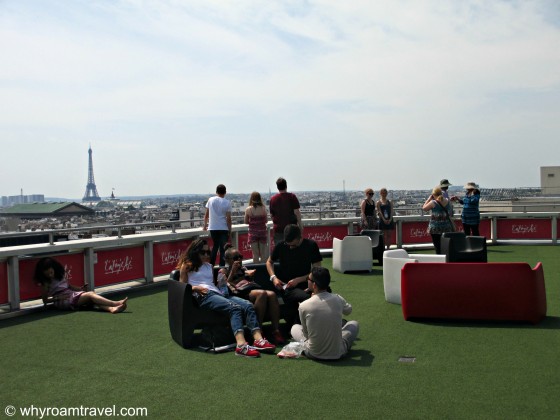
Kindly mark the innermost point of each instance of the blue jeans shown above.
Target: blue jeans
(235, 308)
(219, 238)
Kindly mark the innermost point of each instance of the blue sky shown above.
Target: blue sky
(178, 96)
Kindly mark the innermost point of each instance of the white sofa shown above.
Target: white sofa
(393, 262)
(353, 253)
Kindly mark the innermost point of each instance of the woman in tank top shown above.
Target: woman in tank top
(256, 217)
(368, 216)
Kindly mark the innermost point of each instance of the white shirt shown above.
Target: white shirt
(218, 208)
(203, 277)
(321, 319)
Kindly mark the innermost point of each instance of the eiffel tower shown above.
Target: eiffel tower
(91, 190)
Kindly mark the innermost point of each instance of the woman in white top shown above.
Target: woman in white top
(196, 270)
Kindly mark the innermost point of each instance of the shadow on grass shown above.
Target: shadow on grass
(498, 251)
(362, 358)
(548, 323)
(51, 311)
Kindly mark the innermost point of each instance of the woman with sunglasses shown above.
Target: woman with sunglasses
(196, 270)
(368, 217)
(234, 274)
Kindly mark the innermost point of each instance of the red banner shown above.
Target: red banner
(166, 255)
(524, 229)
(73, 266)
(119, 265)
(415, 233)
(324, 235)
(485, 228)
(3, 282)
(243, 245)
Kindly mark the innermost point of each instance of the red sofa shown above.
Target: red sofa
(488, 291)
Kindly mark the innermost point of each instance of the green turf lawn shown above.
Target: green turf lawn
(463, 370)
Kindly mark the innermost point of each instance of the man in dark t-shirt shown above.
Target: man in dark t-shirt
(284, 210)
(296, 257)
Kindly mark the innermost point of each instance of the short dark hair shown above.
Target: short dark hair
(221, 189)
(291, 233)
(281, 184)
(321, 277)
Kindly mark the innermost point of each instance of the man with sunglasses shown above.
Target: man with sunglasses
(321, 321)
(296, 256)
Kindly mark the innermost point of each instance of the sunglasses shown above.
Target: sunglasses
(237, 258)
(369, 193)
(205, 252)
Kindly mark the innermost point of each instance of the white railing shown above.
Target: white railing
(143, 256)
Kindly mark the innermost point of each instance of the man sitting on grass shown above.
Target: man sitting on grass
(321, 321)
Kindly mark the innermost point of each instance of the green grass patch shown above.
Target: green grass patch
(463, 370)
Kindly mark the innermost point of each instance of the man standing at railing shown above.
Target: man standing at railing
(217, 220)
(284, 210)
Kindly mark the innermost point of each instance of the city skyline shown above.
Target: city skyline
(177, 97)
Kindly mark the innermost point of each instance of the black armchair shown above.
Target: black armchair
(377, 243)
(458, 247)
(184, 314)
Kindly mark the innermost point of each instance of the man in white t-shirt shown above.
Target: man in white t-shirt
(321, 330)
(217, 220)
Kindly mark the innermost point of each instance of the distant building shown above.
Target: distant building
(40, 210)
(21, 199)
(550, 180)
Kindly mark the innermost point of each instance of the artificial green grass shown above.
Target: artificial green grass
(464, 370)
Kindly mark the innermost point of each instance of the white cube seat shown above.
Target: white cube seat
(353, 253)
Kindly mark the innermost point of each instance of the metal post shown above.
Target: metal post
(399, 233)
(554, 230)
(13, 283)
(494, 229)
(90, 260)
(149, 261)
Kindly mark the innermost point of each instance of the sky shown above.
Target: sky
(175, 97)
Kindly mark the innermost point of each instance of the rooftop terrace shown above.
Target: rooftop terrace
(463, 370)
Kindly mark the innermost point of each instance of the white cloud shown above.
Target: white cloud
(395, 79)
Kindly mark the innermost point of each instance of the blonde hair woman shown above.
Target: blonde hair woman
(256, 217)
(440, 221)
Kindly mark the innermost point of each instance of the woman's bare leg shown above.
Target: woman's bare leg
(273, 309)
(259, 300)
(257, 257)
(103, 303)
(263, 251)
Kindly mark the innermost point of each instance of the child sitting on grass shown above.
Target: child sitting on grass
(50, 275)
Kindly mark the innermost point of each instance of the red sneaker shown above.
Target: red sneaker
(246, 351)
(278, 337)
(263, 345)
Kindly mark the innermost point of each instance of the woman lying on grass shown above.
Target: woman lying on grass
(50, 275)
